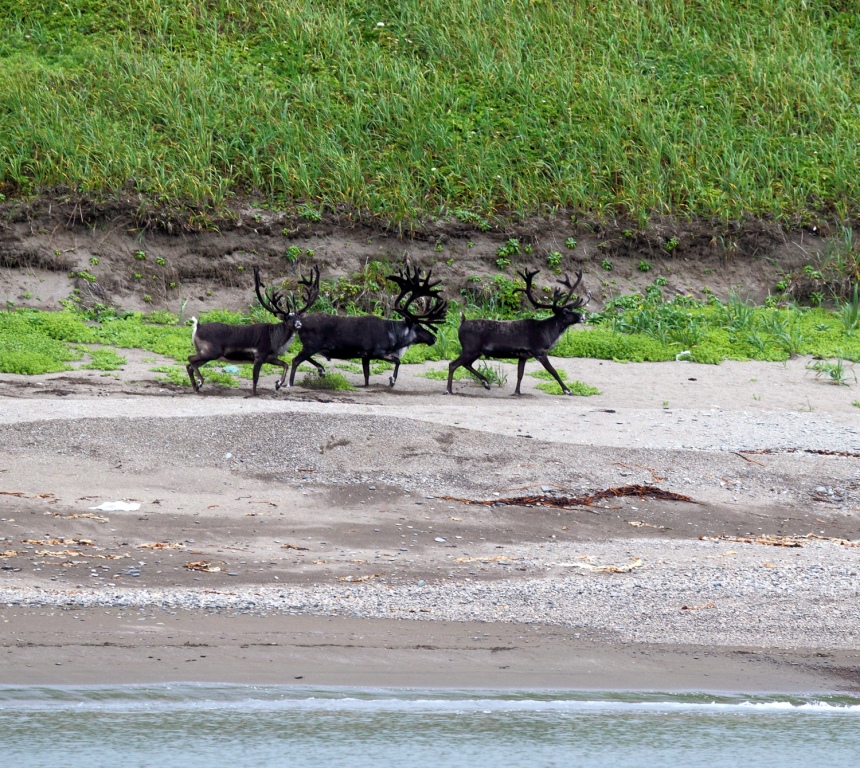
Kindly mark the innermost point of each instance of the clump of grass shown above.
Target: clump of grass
(331, 381)
(849, 313)
(834, 372)
(104, 360)
(492, 372)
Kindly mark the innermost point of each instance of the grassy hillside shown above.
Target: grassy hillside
(409, 108)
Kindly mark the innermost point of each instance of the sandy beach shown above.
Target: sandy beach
(373, 537)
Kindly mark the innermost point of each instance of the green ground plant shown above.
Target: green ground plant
(578, 388)
(550, 385)
(177, 376)
(335, 382)
(104, 360)
(441, 374)
(448, 106)
(634, 327)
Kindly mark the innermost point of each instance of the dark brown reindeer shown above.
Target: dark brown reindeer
(258, 343)
(522, 339)
(368, 337)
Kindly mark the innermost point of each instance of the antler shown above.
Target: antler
(414, 287)
(579, 301)
(310, 289)
(560, 299)
(278, 305)
(273, 303)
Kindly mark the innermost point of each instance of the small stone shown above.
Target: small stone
(440, 539)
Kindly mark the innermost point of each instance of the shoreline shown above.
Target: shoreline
(320, 651)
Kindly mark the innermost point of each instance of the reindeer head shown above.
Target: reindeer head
(564, 302)
(432, 308)
(286, 309)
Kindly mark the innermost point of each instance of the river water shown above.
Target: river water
(237, 726)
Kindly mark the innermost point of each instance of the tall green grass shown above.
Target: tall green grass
(403, 109)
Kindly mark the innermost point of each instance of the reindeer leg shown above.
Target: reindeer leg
(521, 368)
(452, 366)
(275, 360)
(258, 364)
(393, 378)
(544, 361)
(365, 369)
(194, 363)
(483, 379)
(297, 361)
(467, 364)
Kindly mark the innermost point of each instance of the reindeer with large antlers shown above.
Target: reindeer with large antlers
(522, 339)
(258, 343)
(368, 337)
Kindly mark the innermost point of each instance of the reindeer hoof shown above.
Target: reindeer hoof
(277, 385)
(391, 381)
(486, 385)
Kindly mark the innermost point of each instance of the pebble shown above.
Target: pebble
(730, 601)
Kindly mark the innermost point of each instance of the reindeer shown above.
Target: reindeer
(522, 339)
(372, 338)
(259, 343)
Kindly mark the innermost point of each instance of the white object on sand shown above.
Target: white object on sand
(118, 506)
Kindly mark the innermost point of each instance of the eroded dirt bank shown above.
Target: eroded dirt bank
(145, 261)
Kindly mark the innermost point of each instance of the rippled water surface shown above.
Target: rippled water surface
(278, 726)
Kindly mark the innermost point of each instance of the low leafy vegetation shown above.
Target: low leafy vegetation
(104, 360)
(550, 385)
(636, 327)
(331, 381)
